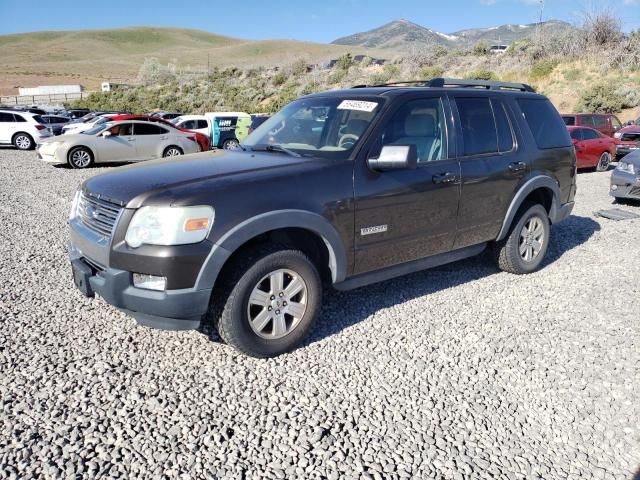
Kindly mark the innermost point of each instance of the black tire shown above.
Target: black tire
(604, 162)
(169, 151)
(230, 144)
(231, 309)
(77, 157)
(23, 141)
(507, 253)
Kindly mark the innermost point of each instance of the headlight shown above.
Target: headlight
(74, 206)
(626, 167)
(617, 135)
(169, 225)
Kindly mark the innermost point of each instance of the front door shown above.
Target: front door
(120, 146)
(7, 127)
(405, 215)
(490, 165)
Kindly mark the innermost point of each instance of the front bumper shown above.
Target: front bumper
(48, 153)
(622, 150)
(624, 185)
(169, 310)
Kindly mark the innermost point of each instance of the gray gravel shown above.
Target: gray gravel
(459, 372)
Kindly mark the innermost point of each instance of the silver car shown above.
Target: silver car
(121, 141)
(625, 179)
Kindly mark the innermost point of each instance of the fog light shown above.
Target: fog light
(150, 282)
(614, 187)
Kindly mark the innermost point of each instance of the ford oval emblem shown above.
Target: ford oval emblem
(92, 212)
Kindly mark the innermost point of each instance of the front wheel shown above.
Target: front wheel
(23, 141)
(604, 162)
(524, 248)
(271, 302)
(80, 157)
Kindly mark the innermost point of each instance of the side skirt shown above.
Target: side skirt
(376, 276)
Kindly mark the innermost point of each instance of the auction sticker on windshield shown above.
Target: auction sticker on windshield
(359, 105)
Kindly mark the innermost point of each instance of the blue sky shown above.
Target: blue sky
(312, 20)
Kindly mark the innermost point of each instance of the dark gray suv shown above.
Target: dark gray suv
(342, 188)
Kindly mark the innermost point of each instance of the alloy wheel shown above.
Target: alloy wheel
(23, 142)
(605, 160)
(277, 304)
(81, 158)
(173, 152)
(531, 239)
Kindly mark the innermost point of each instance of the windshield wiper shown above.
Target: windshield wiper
(274, 148)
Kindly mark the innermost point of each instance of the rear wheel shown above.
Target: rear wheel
(270, 302)
(172, 151)
(80, 157)
(604, 162)
(230, 144)
(524, 248)
(23, 141)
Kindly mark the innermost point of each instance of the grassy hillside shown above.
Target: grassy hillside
(92, 56)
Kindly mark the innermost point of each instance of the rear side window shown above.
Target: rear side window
(201, 124)
(478, 126)
(569, 121)
(147, 129)
(189, 124)
(600, 121)
(590, 134)
(505, 134)
(19, 118)
(548, 129)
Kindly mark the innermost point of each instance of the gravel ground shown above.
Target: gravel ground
(459, 372)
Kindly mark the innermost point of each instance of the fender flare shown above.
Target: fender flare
(254, 226)
(539, 181)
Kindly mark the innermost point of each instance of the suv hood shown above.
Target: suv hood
(131, 185)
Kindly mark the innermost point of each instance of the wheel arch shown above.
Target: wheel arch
(308, 231)
(540, 189)
(13, 137)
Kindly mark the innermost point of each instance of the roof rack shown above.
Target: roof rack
(454, 82)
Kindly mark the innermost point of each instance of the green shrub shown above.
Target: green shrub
(600, 98)
(542, 69)
(366, 61)
(299, 67)
(572, 75)
(344, 62)
(481, 74)
(336, 77)
(440, 51)
(481, 48)
(279, 79)
(428, 73)
(630, 96)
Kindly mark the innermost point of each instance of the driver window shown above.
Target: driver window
(122, 130)
(420, 123)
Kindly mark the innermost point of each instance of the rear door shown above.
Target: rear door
(149, 139)
(7, 127)
(490, 165)
(594, 145)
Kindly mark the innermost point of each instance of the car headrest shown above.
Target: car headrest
(419, 125)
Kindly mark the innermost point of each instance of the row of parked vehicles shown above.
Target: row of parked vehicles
(97, 137)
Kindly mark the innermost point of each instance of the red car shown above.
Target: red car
(630, 133)
(593, 149)
(202, 140)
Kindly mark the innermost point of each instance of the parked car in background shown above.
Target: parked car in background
(603, 122)
(54, 122)
(195, 123)
(23, 130)
(166, 115)
(625, 179)
(593, 149)
(78, 127)
(629, 133)
(258, 119)
(123, 141)
(75, 113)
(228, 129)
(202, 139)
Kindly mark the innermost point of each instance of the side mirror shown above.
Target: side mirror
(395, 157)
(106, 133)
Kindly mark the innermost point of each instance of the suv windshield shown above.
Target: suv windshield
(325, 127)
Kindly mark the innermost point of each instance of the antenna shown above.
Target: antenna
(539, 28)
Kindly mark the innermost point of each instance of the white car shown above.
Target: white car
(121, 141)
(21, 129)
(195, 123)
(79, 127)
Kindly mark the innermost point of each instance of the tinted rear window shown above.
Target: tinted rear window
(569, 120)
(548, 129)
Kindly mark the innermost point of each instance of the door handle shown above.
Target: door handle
(517, 166)
(444, 178)
(131, 139)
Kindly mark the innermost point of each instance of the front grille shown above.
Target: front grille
(98, 215)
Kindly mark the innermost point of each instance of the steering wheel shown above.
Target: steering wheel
(348, 140)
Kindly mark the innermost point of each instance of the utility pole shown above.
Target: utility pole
(539, 32)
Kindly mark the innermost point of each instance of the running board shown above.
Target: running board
(376, 276)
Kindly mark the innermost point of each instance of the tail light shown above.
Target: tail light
(40, 127)
(193, 139)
